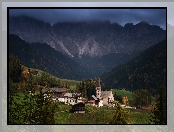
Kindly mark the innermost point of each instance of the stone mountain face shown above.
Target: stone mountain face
(95, 38)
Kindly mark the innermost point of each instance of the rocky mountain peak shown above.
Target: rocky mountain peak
(94, 38)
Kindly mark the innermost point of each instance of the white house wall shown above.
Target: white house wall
(66, 100)
(100, 104)
(61, 99)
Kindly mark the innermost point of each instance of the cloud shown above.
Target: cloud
(121, 16)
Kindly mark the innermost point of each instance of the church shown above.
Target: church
(102, 97)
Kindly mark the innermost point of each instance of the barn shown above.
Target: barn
(78, 108)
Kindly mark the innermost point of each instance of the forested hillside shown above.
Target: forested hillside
(43, 57)
(148, 70)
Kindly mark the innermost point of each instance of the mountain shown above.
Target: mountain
(44, 57)
(105, 63)
(91, 38)
(148, 70)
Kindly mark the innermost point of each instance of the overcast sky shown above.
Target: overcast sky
(121, 16)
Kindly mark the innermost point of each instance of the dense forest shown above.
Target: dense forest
(148, 70)
(99, 65)
(42, 56)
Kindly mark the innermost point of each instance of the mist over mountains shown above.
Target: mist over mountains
(91, 38)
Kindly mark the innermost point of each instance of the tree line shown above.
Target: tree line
(32, 108)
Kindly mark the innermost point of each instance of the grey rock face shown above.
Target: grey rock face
(88, 38)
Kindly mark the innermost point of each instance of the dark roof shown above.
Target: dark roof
(78, 107)
(58, 90)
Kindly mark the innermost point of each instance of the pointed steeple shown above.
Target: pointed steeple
(98, 82)
(98, 88)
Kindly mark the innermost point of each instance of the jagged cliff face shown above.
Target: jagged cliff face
(88, 38)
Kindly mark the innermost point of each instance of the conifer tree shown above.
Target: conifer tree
(15, 68)
(121, 116)
(159, 114)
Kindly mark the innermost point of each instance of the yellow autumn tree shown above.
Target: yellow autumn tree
(125, 100)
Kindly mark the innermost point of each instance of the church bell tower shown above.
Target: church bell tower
(98, 88)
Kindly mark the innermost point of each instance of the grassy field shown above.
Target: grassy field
(95, 115)
(123, 93)
(92, 115)
(139, 118)
(72, 83)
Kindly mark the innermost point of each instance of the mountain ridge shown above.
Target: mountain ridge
(43, 57)
(147, 70)
(88, 38)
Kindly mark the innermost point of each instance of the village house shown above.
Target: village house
(94, 101)
(34, 72)
(72, 98)
(56, 93)
(62, 95)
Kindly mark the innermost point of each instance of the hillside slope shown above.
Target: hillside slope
(43, 57)
(148, 70)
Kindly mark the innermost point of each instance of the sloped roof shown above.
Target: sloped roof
(58, 90)
(79, 107)
(95, 98)
(68, 95)
(72, 94)
(106, 94)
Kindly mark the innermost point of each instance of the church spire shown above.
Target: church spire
(98, 82)
(98, 88)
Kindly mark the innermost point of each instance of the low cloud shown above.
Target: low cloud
(121, 16)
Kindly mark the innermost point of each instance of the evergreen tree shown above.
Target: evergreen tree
(121, 116)
(15, 68)
(159, 114)
(141, 97)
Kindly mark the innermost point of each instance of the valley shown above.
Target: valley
(130, 60)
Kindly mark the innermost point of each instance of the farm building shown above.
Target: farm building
(78, 108)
